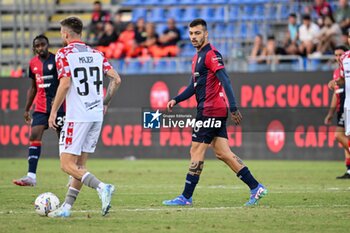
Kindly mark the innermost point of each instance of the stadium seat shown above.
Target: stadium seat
(161, 66)
(160, 27)
(248, 12)
(170, 2)
(219, 30)
(219, 14)
(157, 15)
(132, 67)
(203, 2)
(230, 31)
(187, 50)
(271, 12)
(243, 31)
(256, 28)
(259, 13)
(190, 13)
(217, 2)
(151, 2)
(132, 2)
(208, 14)
(175, 13)
(139, 13)
(234, 13)
(187, 2)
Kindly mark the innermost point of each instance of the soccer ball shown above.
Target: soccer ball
(45, 203)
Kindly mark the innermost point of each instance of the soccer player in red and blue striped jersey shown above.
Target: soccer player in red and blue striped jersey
(43, 73)
(208, 83)
(337, 105)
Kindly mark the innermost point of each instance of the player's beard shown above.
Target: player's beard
(199, 43)
(64, 43)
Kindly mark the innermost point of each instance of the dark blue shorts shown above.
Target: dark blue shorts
(40, 118)
(211, 128)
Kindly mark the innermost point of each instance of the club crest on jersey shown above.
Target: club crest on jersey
(50, 66)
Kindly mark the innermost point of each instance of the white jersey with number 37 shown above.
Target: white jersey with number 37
(86, 67)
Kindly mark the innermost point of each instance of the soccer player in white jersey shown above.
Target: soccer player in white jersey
(80, 72)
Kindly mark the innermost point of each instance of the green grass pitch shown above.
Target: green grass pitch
(304, 196)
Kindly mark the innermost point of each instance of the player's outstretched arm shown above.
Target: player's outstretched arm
(113, 86)
(225, 81)
(61, 93)
(187, 93)
(30, 98)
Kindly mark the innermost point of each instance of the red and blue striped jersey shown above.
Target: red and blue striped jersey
(208, 89)
(45, 75)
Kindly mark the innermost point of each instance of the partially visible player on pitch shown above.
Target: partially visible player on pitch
(80, 71)
(337, 105)
(42, 71)
(208, 82)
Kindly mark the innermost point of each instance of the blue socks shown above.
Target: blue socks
(190, 185)
(34, 155)
(245, 175)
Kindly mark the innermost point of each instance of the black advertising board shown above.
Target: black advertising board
(282, 118)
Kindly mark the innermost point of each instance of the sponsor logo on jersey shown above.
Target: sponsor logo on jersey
(92, 105)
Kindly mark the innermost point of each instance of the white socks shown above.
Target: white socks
(31, 175)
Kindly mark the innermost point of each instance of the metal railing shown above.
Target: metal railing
(179, 65)
(21, 18)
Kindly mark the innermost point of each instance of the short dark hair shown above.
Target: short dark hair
(97, 2)
(41, 36)
(197, 22)
(271, 37)
(306, 17)
(292, 15)
(73, 23)
(341, 47)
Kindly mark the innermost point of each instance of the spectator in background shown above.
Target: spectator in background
(292, 35)
(151, 44)
(119, 24)
(125, 45)
(140, 31)
(271, 50)
(321, 8)
(330, 36)
(98, 18)
(342, 17)
(108, 36)
(257, 49)
(169, 39)
(308, 33)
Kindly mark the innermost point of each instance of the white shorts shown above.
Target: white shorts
(347, 120)
(78, 137)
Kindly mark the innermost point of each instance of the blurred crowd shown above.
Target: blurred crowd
(118, 39)
(314, 31)
(320, 30)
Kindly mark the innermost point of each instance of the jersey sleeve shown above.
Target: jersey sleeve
(106, 65)
(62, 65)
(30, 72)
(214, 61)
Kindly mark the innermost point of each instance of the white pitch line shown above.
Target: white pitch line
(186, 209)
